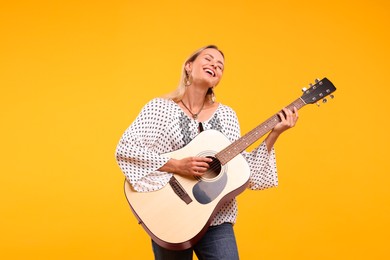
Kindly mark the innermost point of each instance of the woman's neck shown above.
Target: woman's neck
(194, 97)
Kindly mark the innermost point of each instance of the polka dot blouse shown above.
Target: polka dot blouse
(162, 127)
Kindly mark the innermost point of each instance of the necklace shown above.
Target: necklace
(194, 115)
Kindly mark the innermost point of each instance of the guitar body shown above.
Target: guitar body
(175, 222)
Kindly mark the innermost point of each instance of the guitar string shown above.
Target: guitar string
(256, 133)
(298, 103)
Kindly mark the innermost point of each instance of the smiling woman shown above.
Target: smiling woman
(169, 124)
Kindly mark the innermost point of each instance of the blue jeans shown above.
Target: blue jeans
(219, 243)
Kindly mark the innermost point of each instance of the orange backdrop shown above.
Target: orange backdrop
(74, 75)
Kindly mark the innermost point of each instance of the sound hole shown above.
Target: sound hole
(214, 169)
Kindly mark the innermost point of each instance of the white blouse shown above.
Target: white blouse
(162, 127)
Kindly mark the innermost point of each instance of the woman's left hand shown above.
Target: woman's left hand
(288, 119)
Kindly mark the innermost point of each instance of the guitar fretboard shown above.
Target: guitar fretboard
(245, 141)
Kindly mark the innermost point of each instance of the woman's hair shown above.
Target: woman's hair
(178, 94)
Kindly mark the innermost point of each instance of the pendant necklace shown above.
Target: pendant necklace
(194, 115)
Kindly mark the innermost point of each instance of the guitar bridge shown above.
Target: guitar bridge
(178, 189)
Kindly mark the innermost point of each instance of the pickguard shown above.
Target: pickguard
(206, 191)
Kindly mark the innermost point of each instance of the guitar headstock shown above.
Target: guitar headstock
(318, 91)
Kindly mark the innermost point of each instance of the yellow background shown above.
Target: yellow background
(74, 75)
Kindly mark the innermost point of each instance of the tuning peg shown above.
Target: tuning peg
(317, 80)
(304, 89)
(331, 96)
(324, 100)
(318, 104)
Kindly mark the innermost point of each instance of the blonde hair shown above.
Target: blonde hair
(178, 93)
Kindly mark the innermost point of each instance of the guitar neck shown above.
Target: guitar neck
(245, 141)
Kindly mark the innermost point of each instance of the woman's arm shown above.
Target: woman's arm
(190, 166)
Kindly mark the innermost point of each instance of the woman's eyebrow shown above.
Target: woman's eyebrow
(213, 58)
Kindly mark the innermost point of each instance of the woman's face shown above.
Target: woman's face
(207, 67)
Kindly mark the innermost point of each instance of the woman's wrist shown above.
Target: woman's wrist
(170, 166)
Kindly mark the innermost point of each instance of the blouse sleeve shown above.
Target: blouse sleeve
(137, 152)
(263, 168)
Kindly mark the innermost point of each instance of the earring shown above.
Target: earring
(187, 79)
(213, 97)
(210, 92)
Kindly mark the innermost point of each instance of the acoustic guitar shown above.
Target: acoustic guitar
(178, 215)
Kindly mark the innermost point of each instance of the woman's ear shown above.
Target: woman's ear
(188, 67)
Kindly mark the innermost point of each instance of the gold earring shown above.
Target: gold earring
(210, 92)
(187, 79)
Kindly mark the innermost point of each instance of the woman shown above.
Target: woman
(167, 124)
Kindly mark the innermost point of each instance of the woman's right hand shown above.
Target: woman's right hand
(189, 166)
